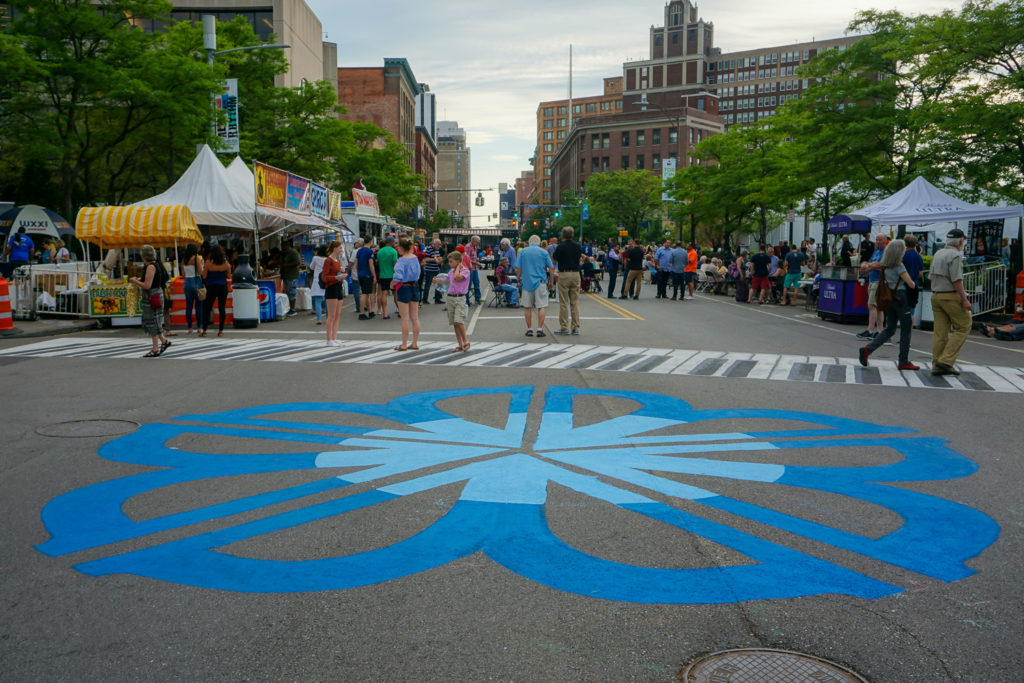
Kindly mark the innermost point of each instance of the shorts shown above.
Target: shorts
(792, 281)
(760, 282)
(333, 291)
(872, 292)
(688, 276)
(366, 284)
(289, 287)
(458, 311)
(537, 298)
(407, 293)
(385, 283)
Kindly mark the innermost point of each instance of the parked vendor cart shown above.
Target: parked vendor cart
(843, 295)
(123, 228)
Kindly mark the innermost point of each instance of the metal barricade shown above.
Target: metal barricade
(51, 289)
(985, 285)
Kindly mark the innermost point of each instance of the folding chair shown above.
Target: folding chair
(703, 282)
(498, 297)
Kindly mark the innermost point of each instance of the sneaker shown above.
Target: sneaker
(540, 333)
(291, 314)
(874, 335)
(864, 335)
(576, 331)
(561, 331)
(863, 355)
(363, 316)
(908, 366)
(319, 322)
(688, 298)
(529, 333)
(371, 314)
(943, 369)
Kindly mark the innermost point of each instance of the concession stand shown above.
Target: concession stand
(843, 296)
(121, 230)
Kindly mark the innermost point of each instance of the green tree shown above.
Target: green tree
(629, 197)
(94, 90)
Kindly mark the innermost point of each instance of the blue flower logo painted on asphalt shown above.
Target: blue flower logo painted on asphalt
(624, 461)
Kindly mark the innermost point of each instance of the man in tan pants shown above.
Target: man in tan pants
(950, 305)
(567, 257)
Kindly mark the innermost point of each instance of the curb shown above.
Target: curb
(20, 334)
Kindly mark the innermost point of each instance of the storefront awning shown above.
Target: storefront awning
(117, 227)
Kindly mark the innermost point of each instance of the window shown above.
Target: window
(549, 123)
(547, 182)
(549, 135)
(657, 40)
(547, 171)
(562, 123)
(549, 147)
(641, 138)
(675, 38)
(595, 165)
(595, 141)
(691, 136)
(549, 111)
(591, 107)
(673, 136)
(625, 161)
(547, 158)
(656, 136)
(640, 161)
(691, 35)
(605, 163)
(577, 109)
(656, 162)
(562, 111)
(606, 106)
(561, 135)
(547, 194)
(625, 138)
(606, 140)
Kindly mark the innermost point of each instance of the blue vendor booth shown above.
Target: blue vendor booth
(843, 296)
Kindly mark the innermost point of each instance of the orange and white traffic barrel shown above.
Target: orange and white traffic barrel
(7, 327)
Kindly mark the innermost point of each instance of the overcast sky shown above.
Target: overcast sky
(490, 63)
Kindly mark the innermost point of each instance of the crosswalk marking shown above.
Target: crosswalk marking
(543, 356)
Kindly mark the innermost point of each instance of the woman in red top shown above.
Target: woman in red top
(333, 273)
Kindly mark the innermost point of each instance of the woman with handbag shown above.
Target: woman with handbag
(896, 279)
(215, 271)
(152, 300)
(195, 290)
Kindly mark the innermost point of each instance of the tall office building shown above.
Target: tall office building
(553, 124)
(453, 171)
(506, 206)
(426, 145)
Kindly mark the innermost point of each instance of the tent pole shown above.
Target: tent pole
(255, 223)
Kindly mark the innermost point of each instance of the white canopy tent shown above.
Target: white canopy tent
(921, 203)
(226, 197)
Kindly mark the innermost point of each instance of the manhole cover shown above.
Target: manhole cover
(763, 666)
(80, 429)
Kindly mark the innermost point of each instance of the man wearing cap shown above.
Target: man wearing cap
(19, 249)
(876, 319)
(950, 305)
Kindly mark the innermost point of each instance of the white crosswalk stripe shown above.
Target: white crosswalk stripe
(546, 356)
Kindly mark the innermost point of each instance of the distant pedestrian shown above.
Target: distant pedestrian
(875, 318)
(690, 274)
(151, 300)
(664, 259)
(366, 271)
(567, 258)
(406, 282)
(795, 260)
(950, 305)
(433, 259)
(891, 268)
(678, 260)
(473, 258)
(612, 262)
(536, 273)
(846, 252)
(387, 256)
(760, 283)
(316, 292)
(634, 260)
(216, 270)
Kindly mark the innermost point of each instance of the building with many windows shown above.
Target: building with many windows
(453, 171)
(426, 145)
(751, 84)
(553, 124)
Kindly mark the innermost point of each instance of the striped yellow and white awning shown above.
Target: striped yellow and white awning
(117, 227)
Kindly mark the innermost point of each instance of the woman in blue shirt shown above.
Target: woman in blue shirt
(405, 282)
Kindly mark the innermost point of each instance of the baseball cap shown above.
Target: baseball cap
(955, 233)
(389, 238)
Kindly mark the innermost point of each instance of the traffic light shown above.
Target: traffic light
(557, 213)
(535, 223)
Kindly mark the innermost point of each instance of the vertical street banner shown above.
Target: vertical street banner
(297, 197)
(334, 205)
(668, 171)
(271, 185)
(227, 103)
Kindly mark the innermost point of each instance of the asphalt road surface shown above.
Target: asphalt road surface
(681, 478)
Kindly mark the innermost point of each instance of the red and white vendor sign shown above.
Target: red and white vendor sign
(366, 203)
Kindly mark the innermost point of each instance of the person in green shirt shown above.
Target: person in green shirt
(387, 256)
(290, 263)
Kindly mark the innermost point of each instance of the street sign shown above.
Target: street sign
(791, 215)
(623, 233)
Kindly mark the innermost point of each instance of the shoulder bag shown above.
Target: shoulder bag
(883, 295)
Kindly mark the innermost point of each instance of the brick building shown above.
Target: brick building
(525, 188)
(553, 123)
(385, 96)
